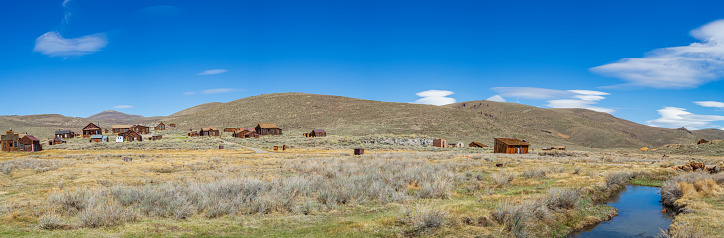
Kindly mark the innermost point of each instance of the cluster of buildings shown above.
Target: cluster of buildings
(502, 145)
(19, 142)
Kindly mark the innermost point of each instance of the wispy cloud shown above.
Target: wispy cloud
(675, 117)
(557, 98)
(675, 67)
(213, 71)
(214, 91)
(715, 104)
(435, 97)
(123, 106)
(496, 98)
(65, 2)
(53, 44)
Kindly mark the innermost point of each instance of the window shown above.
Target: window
(15, 144)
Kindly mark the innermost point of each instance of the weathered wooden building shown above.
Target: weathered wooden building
(318, 133)
(156, 137)
(131, 136)
(477, 144)
(118, 129)
(246, 134)
(29, 144)
(159, 127)
(98, 138)
(140, 129)
(172, 125)
(510, 146)
(268, 129)
(9, 141)
(91, 129)
(232, 130)
(65, 134)
(439, 143)
(209, 131)
(56, 141)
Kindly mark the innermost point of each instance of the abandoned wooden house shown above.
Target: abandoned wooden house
(156, 137)
(209, 131)
(456, 145)
(702, 141)
(439, 143)
(131, 136)
(193, 134)
(90, 130)
(65, 134)
(56, 141)
(159, 127)
(246, 134)
(118, 129)
(318, 133)
(510, 146)
(140, 129)
(268, 129)
(477, 144)
(98, 138)
(232, 130)
(29, 144)
(10, 141)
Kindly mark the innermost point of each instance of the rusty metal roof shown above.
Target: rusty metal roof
(511, 141)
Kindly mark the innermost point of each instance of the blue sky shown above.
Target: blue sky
(652, 62)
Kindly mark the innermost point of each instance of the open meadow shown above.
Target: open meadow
(189, 187)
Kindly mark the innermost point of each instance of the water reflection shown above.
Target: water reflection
(639, 215)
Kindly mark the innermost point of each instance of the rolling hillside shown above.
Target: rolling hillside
(111, 117)
(43, 125)
(466, 121)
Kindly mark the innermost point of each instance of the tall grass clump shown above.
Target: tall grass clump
(49, 222)
(423, 218)
(529, 218)
(690, 186)
(502, 178)
(38, 165)
(562, 198)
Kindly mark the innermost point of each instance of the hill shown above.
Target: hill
(466, 121)
(111, 117)
(194, 109)
(42, 126)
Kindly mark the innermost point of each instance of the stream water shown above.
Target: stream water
(639, 215)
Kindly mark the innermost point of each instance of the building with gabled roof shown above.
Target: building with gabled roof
(159, 127)
(65, 134)
(10, 141)
(130, 136)
(209, 131)
(268, 129)
(318, 133)
(29, 143)
(510, 146)
(141, 129)
(118, 129)
(91, 129)
(98, 138)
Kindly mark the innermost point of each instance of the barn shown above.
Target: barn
(268, 129)
(65, 134)
(209, 131)
(91, 129)
(159, 127)
(510, 146)
(318, 133)
(10, 141)
(118, 129)
(29, 144)
(130, 136)
(141, 129)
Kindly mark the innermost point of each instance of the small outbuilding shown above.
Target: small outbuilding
(511, 146)
(439, 143)
(193, 134)
(91, 129)
(477, 144)
(209, 131)
(268, 129)
(98, 138)
(318, 133)
(56, 141)
(29, 144)
(119, 139)
(156, 137)
(702, 141)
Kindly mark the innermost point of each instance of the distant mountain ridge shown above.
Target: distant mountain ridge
(112, 117)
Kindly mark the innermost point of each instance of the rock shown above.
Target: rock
(127, 159)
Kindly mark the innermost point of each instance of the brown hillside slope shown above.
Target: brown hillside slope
(111, 117)
(580, 126)
(708, 134)
(193, 110)
(43, 125)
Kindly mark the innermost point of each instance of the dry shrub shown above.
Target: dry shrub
(50, 222)
(423, 218)
(502, 178)
(562, 198)
(691, 186)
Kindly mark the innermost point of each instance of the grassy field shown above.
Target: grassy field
(191, 188)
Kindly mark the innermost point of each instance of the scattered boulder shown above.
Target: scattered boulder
(694, 166)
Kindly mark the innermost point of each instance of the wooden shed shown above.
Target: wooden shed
(131, 135)
(439, 143)
(65, 134)
(193, 134)
(246, 134)
(118, 129)
(318, 133)
(141, 129)
(510, 146)
(477, 144)
(10, 141)
(29, 144)
(56, 141)
(702, 141)
(91, 129)
(268, 129)
(209, 131)
(159, 127)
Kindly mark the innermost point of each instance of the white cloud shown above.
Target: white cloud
(496, 98)
(214, 91)
(530, 93)
(578, 103)
(65, 2)
(53, 44)
(675, 67)
(213, 71)
(435, 97)
(674, 117)
(123, 106)
(716, 104)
